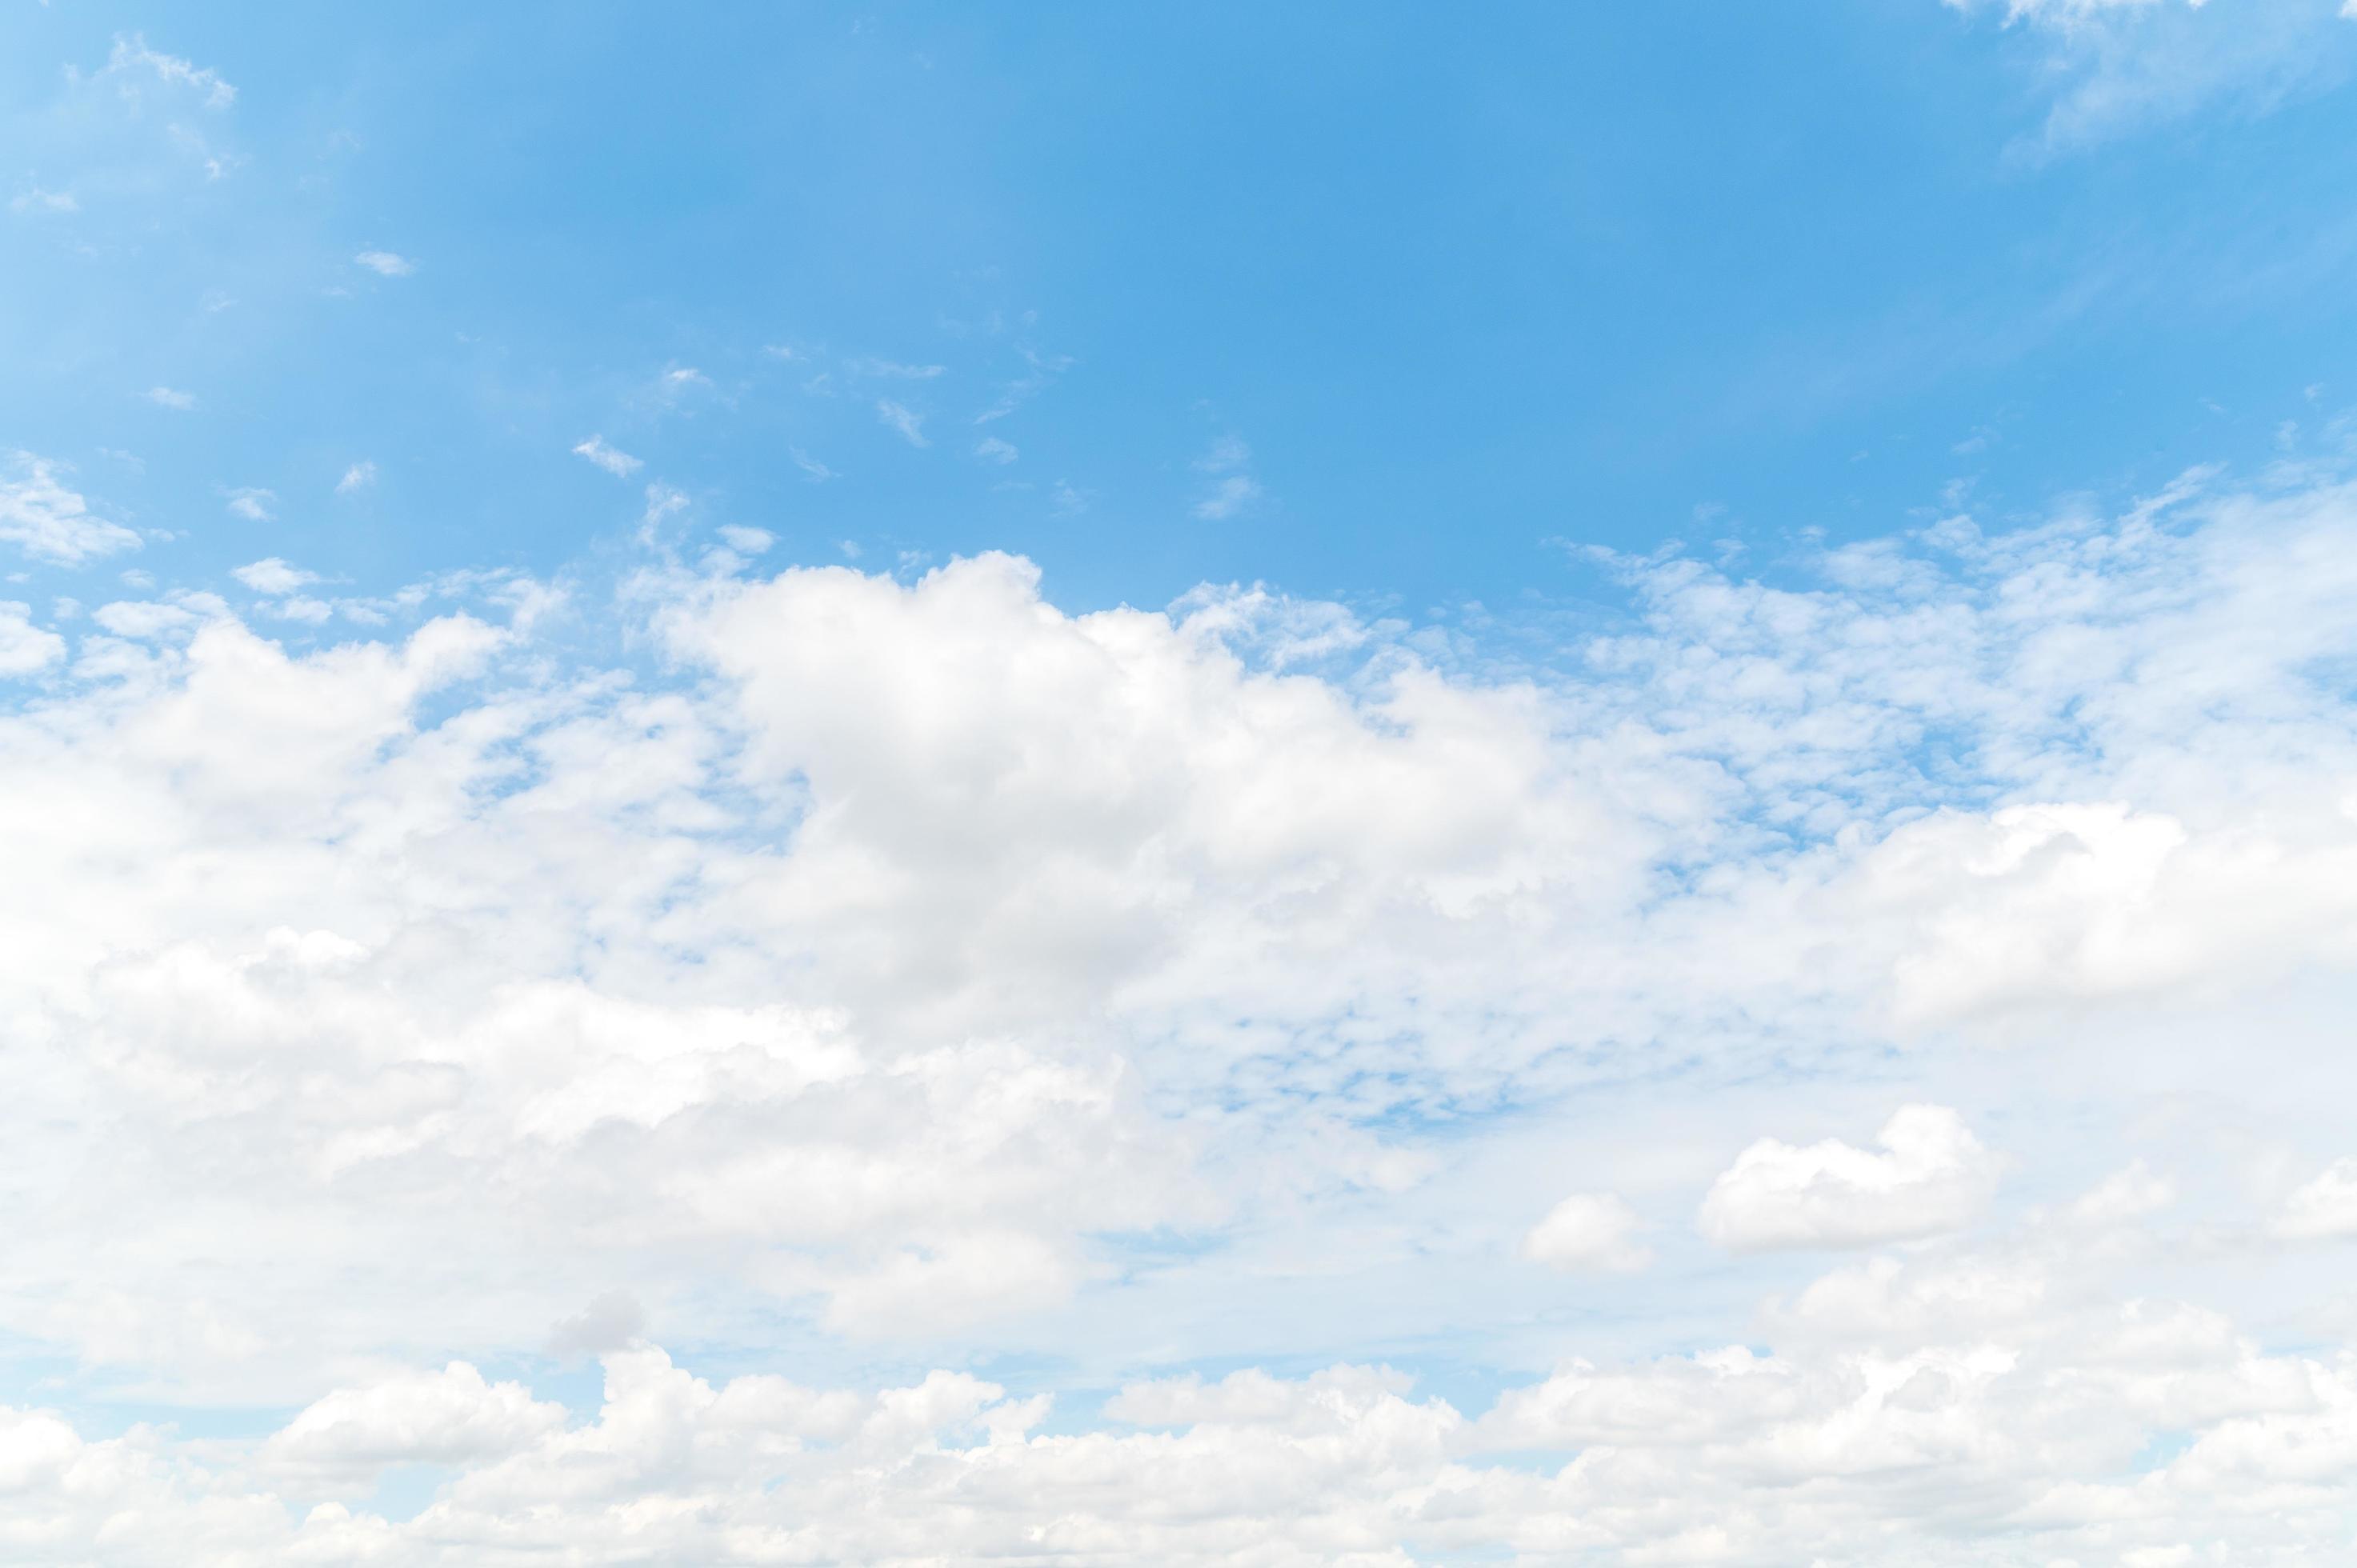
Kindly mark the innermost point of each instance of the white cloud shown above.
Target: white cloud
(1933, 1175)
(359, 477)
(812, 469)
(36, 199)
(49, 523)
(992, 449)
(747, 541)
(1110, 993)
(2324, 1208)
(2115, 66)
(386, 263)
(887, 370)
(450, 1417)
(1589, 1231)
(1231, 489)
(910, 426)
(23, 647)
(1227, 496)
(166, 397)
(620, 463)
(252, 504)
(273, 576)
(132, 55)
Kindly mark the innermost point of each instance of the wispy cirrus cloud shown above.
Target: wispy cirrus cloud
(903, 421)
(1232, 487)
(48, 521)
(2119, 65)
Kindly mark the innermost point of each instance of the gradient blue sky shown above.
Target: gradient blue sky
(1611, 274)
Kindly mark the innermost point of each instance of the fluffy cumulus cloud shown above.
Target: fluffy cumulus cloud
(1932, 1175)
(1015, 1022)
(1587, 1230)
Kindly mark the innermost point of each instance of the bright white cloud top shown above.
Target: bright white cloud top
(570, 994)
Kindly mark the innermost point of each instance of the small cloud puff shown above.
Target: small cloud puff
(171, 397)
(252, 503)
(992, 449)
(23, 647)
(386, 263)
(1589, 1231)
(1933, 1175)
(359, 477)
(273, 576)
(2324, 1210)
(613, 459)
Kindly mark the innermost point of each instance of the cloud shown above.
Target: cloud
(849, 957)
(273, 576)
(36, 199)
(910, 426)
(1231, 489)
(132, 55)
(253, 505)
(166, 397)
(386, 263)
(1933, 1175)
(813, 470)
(49, 523)
(1587, 1230)
(359, 477)
(992, 449)
(1227, 496)
(448, 1417)
(23, 647)
(2324, 1208)
(620, 463)
(2118, 66)
(887, 370)
(611, 1321)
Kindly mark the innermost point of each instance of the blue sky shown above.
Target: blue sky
(1309, 785)
(1572, 272)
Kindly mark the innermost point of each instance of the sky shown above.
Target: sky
(1276, 784)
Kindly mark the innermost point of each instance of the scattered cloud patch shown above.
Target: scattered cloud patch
(888, 370)
(132, 56)
(816, 472)
(43, 519)
(1232, 487)
(1930, 1176)
(897, 417)
(615, 461)
(169, 397)
(359, 477)
(990, 448)
(2324, 1208)
(273, 576)
(25, 648)
(386, 263)
(1588, 1231)
(254, 504)
(37, 199)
